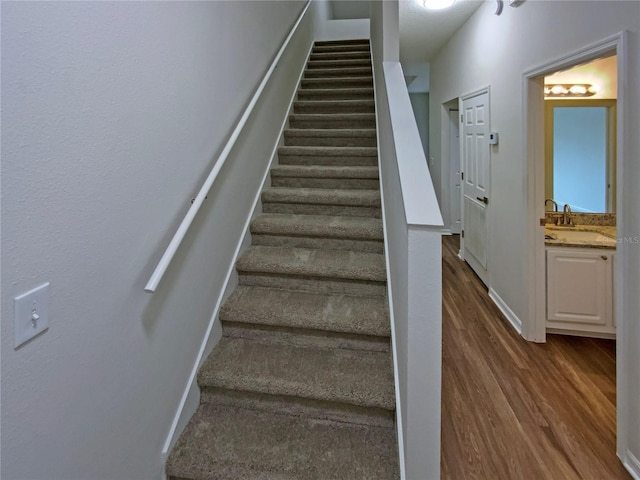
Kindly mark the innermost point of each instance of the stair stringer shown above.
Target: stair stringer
(190, 399)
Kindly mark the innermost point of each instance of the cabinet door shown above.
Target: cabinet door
(579, 287)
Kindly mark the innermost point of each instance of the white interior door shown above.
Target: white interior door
(475, 182)
(455, 184)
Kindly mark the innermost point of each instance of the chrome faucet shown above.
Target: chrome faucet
(566, 215)
(555, 204)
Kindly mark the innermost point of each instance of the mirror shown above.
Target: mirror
(580, 154)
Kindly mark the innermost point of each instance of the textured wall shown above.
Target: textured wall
(112, 114)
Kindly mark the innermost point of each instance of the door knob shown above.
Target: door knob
(484, 200)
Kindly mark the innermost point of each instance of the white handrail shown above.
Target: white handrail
(164, 262)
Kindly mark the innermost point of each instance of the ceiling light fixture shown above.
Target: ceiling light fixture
(571, 90)
(437, 4)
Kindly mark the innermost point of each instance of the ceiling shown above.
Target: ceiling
(422, 32)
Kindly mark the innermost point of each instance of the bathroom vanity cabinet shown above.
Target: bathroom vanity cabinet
(580, 291)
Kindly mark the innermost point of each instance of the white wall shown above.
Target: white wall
(327, 27)
(420, 105)
(112, 115)
(495, 51)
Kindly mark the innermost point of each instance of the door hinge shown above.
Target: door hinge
(461, 175)
(462, 233)
(461, 118)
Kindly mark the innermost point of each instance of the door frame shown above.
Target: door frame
(452, 175)
(534, 326)
(461, 100)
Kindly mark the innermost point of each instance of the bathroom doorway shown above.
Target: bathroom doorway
(535, 325)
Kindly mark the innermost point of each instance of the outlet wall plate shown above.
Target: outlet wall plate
(31, 314)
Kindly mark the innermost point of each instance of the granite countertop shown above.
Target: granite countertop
(581, 236)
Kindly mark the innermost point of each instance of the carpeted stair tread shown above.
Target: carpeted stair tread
(335, 93)
(334, 106)
(332, 120)
(339, 63)
(337, 82)
(327, 226)
(353, 41)
(340, 48)
(337, 72)
(331, 132)
(331, 137)
(323, 196)
(328, 151)
(324, 171)
(303, 310)
(339, 56)
(318, 231)
(314, 263)
(227, 443)
(355, 377)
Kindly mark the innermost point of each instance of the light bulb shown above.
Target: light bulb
(578, 89)
(437, 4)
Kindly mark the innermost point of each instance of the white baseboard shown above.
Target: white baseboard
(191, 395)
(632, 464)
(506, 311)
(446, 231)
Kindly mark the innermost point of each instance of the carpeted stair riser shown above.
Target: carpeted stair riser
(302, 201)
(340, 56)
(319, 64)
(253, 445)
(334, 106)
(274, 376)
(342, 82)
(324, 137)
(340, 48)
(308, 231)
(338, 314)
(300, 407)
(336, 93)
(333, 120)
(321, 196)
(274, 335)
(333, 265)
(301, 383)
(330, 272)
(328, 183)
(338, 72)
(327, 156)
(313, 176)
(353, 41)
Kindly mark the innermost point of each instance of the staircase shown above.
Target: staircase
(301, 384)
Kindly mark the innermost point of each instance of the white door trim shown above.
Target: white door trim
(534, 326)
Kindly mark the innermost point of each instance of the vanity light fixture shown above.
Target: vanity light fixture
(571, 90)
(437, 4)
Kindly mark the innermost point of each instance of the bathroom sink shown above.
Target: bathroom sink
(581, 236)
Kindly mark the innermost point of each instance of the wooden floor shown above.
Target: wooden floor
(515, 410)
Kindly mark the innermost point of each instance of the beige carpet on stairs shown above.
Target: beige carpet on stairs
(301, 385)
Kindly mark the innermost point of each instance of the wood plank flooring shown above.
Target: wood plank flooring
(515, 410)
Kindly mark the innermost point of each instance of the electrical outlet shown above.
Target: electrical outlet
(31, 312)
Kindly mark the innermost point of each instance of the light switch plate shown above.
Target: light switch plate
(31, 312)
